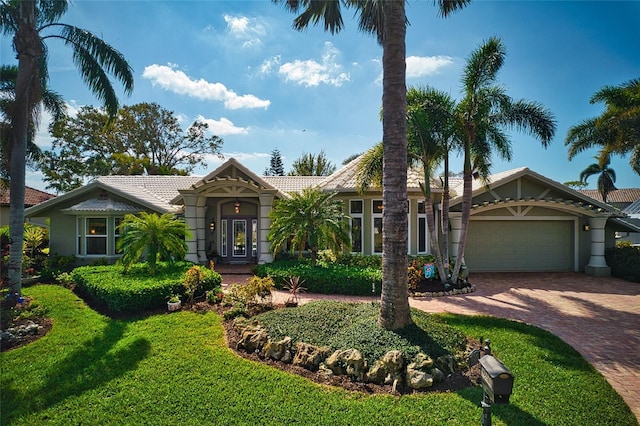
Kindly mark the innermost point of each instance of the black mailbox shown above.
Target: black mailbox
(497, 380)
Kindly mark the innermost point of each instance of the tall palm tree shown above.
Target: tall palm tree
(31, 23)
(52, 102)
(616, 130)
(606, 175)
(311, 219)
(159, 236)
(432, 134)
(483, 114)
(387, 21)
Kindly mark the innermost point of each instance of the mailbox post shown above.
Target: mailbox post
(497, 381)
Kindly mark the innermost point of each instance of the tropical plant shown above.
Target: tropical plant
(606, 176)
(312, 165)
(387, 21)
(294, 287)
(310, 220)
(432, 135)
(159, 236)
(483, 115)
(31, 23)
(52, 102)
(616, 130)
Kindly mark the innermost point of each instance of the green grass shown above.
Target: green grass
(175, 369)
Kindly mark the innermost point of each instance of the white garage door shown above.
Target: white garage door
(520, 246)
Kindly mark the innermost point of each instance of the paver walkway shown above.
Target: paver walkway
(599, 317)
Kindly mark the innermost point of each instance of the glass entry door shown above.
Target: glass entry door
(239, 227)
(239, 238)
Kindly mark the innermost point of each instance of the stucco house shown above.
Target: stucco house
(522, 221)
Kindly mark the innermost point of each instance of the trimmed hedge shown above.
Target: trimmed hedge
(135, 291)
(326, 279)
(624, 262)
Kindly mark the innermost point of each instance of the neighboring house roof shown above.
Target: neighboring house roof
(32, 196)
(618, 196)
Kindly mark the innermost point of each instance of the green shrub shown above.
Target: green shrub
(137, 290)
(624, 261)
(57, 265)
(325, 279)
(198, 280)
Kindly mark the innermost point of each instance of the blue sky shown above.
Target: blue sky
(259, 84)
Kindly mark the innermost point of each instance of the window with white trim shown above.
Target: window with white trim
(356, 211)
(95, 236)
(423, 230)
(376, 213)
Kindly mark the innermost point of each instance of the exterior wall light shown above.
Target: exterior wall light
(585, 227)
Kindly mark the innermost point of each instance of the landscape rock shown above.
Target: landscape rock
(280, 350)
(393, 362)
(309, 356)
(253, 339)
(347, 362)
(423, 361)
(376, 373)
(417, 379)
(446, 363)
(437, 374)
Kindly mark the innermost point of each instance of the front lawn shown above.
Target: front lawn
(176, 369)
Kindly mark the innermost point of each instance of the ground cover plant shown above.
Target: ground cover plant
(342, 325)
(176, 369)
(136, 291)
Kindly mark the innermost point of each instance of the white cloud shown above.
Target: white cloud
(419, 66)
(178, 82)
(247, 30)
(223, 126)
(312, 73)
(269, 64)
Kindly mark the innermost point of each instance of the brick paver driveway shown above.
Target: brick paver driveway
(599, 317)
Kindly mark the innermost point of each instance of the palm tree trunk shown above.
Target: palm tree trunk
(29, 48)
(433, 240)
(466, 214)
(445, 219)
(394, 310)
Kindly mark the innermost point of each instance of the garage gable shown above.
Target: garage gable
(523, 221)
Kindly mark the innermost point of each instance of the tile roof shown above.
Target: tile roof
(163, 188)
(491, 179)
(345, 178)
(293, 183)
(32, 196)
(624, 195)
